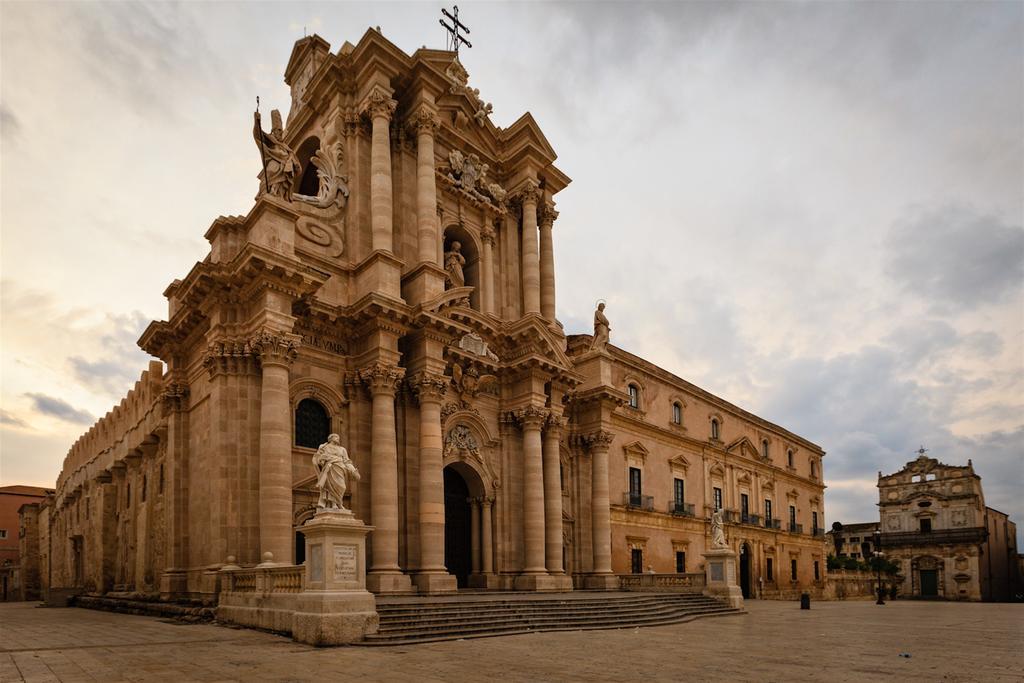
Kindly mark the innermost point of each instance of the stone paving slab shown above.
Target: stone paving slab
(774, 641)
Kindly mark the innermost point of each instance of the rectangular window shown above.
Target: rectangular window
(678, 496)
(792, 569)
(768, 570)
(814, 520)
(677, 414)
(680, 562)
(926, 524)
(718, 498)
(637, 560)
(767, 512)
(744, 504)
(3, 533)
(817, 572)
(792, 517)
(634, 486)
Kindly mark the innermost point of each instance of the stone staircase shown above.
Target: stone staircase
(431, 619)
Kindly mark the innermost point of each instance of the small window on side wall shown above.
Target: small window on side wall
(764, 448)
(312, 424)
(677, 413)
(715, 429)
(789, 459)
(634, 396)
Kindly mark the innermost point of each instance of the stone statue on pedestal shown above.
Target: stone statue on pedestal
(717, 531)
(279, 161)
(333, 468)
(601, 329)
(453, 263)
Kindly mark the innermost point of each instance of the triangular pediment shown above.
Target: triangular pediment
(636, 449)
(743, 446)
(679, 461)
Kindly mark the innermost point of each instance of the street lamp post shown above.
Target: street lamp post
(878, 565)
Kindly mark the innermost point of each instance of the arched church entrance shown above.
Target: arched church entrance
(745, 570)
(458, 540)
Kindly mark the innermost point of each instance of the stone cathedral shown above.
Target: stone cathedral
(394, 284)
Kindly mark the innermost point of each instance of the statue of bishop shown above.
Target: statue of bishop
(279, 161)
(333, 468)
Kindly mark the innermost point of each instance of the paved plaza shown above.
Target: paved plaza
(774, 641)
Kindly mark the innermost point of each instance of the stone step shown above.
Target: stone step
(429, 615)
(415, 637)
(538, 621)
(475, 606)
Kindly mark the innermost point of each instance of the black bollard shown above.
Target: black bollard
(805, 601)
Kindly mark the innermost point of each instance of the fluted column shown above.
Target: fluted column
(486, 537)
(382, 381)
(432, 576)
(379, 107)
(276, 352)
(532, 419)
(600, 503)
(528, 197)
(487, 269)
(553, 496)
(547, 263)
(474, 533)
(426, 122)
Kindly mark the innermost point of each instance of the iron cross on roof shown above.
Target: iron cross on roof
(454, 39)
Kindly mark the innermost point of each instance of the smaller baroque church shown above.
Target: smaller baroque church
(394, 284)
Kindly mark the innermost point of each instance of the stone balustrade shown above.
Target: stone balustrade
(264, 580)
(674, 583)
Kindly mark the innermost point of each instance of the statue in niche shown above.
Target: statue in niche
(453, 263)
(601, 329)
(717, 530)
(333, 184)
(333, 468)
(279, 161)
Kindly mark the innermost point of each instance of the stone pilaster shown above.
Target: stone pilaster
(474, 534)
(275, 352)
(602, 576)
(547, 263)
(425, 122)
(486, 536)
(385, 575)
(432, 577)
(487, 269)
(528, 198)
(379, 107)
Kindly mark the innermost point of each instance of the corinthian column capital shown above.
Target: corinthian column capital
(272, 348)
(548, 215)
(424, 120)
(599, 440)
(531, 417)
(528, 192)
(378, 104)
(429, 388)
(487, 235)
(382, 378)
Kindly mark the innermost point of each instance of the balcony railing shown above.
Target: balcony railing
(818, 532)
(637, 501)
(681, 509)
(750, 518)
(772, 523)
(730, 516)
(796, 528)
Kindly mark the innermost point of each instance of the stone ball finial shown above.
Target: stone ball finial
(268, 556)
(231, 559)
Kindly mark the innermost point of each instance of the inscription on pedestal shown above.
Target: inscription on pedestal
(316, 563)
(346, 562)
(716, 572)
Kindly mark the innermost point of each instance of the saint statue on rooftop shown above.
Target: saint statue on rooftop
(279, 161)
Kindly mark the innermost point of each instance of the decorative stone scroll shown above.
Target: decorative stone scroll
(476, 345)
(329, 163)
(460, 439)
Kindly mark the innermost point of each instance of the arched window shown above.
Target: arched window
(634, 396)
(312, 424)
(764, 448)
(715, 434)
(789, 459)
(677, 413)
(814, 470)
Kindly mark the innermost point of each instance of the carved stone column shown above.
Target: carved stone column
(385, 575)
(474, 534)
(432, 577)
(379, 107)
(532, 419)
(426, 123)
(486, 537)
(553, 496)
(547, 263)
(528, 198)
(276, 352)
(487, 269)
(600, 513)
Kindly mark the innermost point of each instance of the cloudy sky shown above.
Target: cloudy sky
(812, 210)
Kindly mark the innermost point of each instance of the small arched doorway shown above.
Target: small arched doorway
(745, 570)
(458, 540)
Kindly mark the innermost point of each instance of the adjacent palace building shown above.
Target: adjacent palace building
(394, 283)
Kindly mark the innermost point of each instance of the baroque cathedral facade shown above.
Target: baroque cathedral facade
(394, 284)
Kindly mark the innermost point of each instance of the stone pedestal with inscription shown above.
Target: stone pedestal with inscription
(334, 607)
(720, 576)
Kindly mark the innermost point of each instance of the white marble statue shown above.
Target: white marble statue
(333, 468)
(601, 329)
(717, 530)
